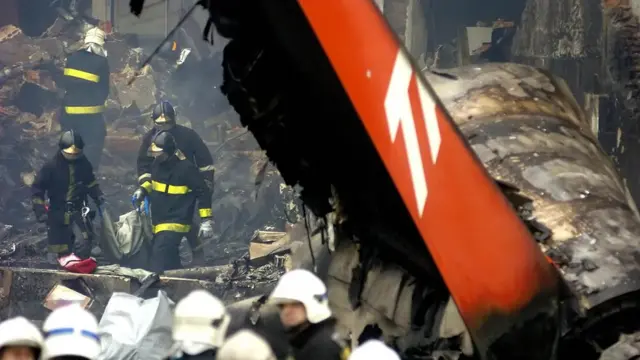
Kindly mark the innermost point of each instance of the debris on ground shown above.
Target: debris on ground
(35, 292)
(266, 245)
(249, 193)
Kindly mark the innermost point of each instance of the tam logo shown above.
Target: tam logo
(399, 113)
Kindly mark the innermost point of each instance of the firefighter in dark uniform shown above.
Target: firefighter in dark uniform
(173, 187)
(304, 311)
(192, 148)
(66, 179)
(86, 84)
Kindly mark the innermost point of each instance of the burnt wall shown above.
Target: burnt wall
(594, 45)
(619, 127)
(446, 16)
(409, 22)
(565, 37)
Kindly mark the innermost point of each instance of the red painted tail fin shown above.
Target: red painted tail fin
(493, 268)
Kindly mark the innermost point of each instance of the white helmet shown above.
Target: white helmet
(303, 286)
(71, 331)
(374, 349)
(94, 36)
(245, 345)
(200, 322)
(19, 331)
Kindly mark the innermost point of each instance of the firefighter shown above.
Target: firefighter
(67, 179)
(245, 345)
(175, 55)
(19, 340)
(190, 145)
(173, 187)
(200, 323)
(304, 311)
(86, 84)
(374, 349)
(71, 332)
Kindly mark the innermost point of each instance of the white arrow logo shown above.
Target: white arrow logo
(399, 113)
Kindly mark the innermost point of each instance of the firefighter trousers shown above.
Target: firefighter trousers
(165, 251)
(61, 236)
(92, 129)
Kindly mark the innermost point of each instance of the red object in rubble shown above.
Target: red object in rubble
(74, 264)
(106, 27)
(86, 266)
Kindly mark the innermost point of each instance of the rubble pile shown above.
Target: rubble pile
(28, 95)
(34, 292)
(30, 103)
(249, 193)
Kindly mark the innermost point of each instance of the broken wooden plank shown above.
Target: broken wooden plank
(208, 273)
(23, 291)
(61, 295)
(266, 244)
(177, 288)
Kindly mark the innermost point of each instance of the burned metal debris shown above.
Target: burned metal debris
(527, 129)
(35, 292)
(249, 193)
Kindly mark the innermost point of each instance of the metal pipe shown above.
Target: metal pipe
(166, 17)
(112, 14)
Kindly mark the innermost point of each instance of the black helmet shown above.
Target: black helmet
(162, 146)
(71, 145)
(164, 116)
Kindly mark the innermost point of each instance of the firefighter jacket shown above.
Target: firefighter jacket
(175, 185)
(190, 145)
(319, 342)
(86, 83)
(66, 184)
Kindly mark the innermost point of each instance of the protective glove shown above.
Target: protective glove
(99, 201)
(41, 213)
(146, 206)
(206, 229)
(138, 198)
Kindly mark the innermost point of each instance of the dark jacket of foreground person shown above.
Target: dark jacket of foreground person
(318, 342)
(188, 142)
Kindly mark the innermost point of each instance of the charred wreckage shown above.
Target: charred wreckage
(524, 126)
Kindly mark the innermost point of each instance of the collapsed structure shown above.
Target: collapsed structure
(536, 137)
(249, 194)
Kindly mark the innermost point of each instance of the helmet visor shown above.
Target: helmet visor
(72, 152)
(163, 123)
(155, 150)
(160, 120)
